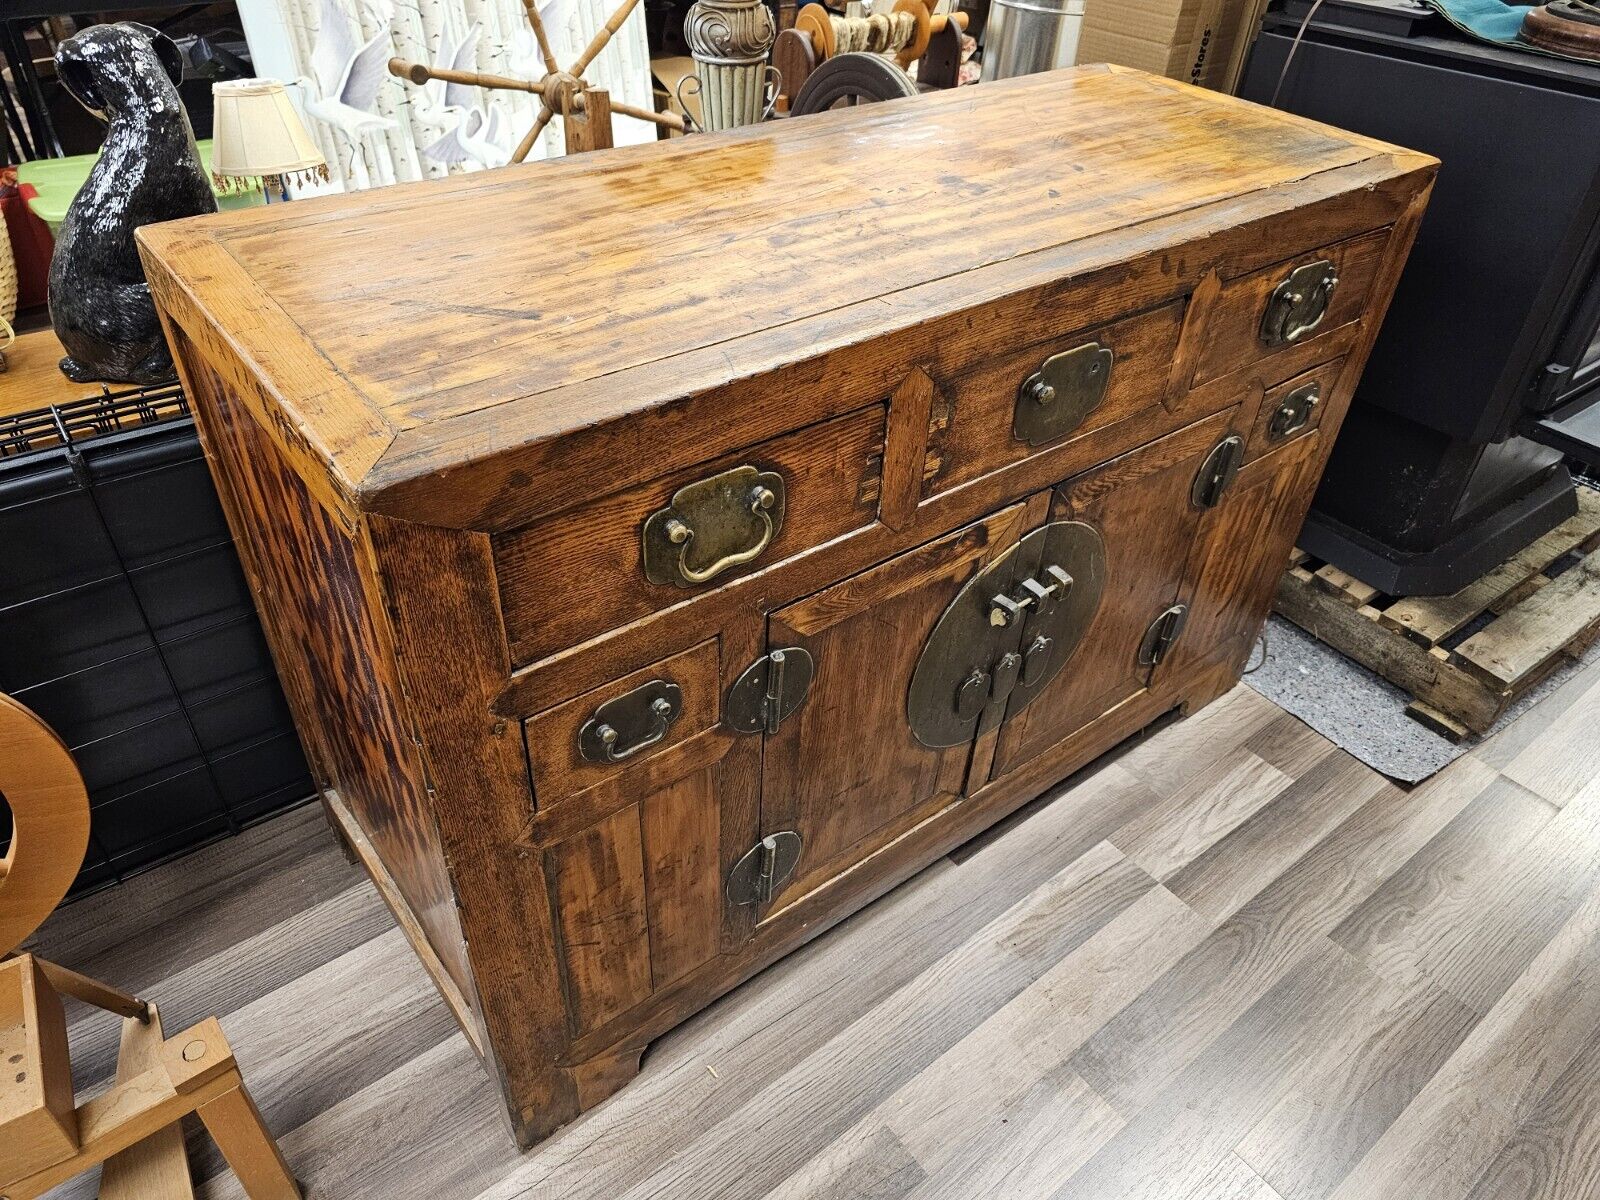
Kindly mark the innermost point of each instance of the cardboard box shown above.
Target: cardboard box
(1199, 41)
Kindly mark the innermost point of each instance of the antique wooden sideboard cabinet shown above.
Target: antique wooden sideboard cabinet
(668, 550)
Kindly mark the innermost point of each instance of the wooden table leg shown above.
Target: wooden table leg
(250, 1149)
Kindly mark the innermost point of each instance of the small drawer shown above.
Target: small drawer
(1268, 311)
(602, 564)
(592, 737)
(1293, 409)
(1023, 402)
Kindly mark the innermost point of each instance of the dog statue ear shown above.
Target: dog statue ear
(77, 77)
(166, 50)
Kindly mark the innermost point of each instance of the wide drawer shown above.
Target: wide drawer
(1268, 311)
(599, 565)
(1021, 403)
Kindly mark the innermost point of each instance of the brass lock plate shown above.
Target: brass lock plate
(631, 722)
(1006, 634)
(1066, 388)
(1299, 303)
(713, 525)
(1294, 411)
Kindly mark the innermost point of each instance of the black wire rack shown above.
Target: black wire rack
(126, 624)
(109, 412)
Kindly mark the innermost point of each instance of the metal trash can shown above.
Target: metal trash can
(1024, 37)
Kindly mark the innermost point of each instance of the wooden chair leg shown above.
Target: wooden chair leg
(92, 991)
(252, 1152)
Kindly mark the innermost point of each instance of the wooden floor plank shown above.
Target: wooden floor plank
(1392, 928)
(899, 1037)
(1131, 1059)
(1555, 1153)
(1169, 760)
(1475, 936)
(1467, 1113)
(1172, 1147)
(1219, 798)
(1564, 757)
(1220, 881)
(1289, 744)
(1033, 1015)
(1348, 1091)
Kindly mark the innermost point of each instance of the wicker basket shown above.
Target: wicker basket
(8, 281)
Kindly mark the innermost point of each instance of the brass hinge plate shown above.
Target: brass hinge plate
(769, 690)
(1217, 472)
(758, 875)
(1163, 632)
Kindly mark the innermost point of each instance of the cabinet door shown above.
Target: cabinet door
(1244, 547)
(1141, 504)
(844, 771)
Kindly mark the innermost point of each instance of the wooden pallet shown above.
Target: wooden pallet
(1463, 658)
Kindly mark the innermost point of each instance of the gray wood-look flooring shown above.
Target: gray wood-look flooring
(1232, 964)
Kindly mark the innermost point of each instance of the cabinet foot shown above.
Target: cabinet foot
(600, 1078)
(565, 1093)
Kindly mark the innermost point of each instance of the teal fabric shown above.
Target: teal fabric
(1494, 21)
(1491, 20)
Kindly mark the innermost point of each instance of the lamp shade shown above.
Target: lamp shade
(256, 132)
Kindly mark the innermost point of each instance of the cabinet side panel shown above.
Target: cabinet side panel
(329, 636)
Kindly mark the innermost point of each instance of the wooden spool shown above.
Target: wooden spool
(814, 40)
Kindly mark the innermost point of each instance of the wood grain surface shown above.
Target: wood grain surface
(422, 296)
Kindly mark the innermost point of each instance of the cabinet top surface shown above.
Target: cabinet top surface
(427, 324)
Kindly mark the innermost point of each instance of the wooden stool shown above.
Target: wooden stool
(45, 1137)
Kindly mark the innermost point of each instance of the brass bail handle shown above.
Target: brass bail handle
(762, 499)
(608, 735)
(1042, 597)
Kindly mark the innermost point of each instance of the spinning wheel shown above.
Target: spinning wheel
(134, 1128)
(851, 79)
(49, 822)
(586, 110)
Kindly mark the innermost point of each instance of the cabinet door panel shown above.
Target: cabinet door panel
(1244, 547)
(845, 771)
(639, 896)
(1140, 504)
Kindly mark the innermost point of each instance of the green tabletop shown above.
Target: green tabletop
(58, 181)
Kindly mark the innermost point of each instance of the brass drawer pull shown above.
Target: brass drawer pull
(1298, 304)
(724, 521)
(1295, 411)
(631, 722)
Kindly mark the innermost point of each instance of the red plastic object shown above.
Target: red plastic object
(31, 242)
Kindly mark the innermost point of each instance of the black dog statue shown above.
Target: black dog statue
(149, 170)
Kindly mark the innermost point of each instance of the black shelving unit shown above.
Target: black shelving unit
(125, 623)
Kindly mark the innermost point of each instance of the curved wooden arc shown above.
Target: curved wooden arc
(50, 821)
